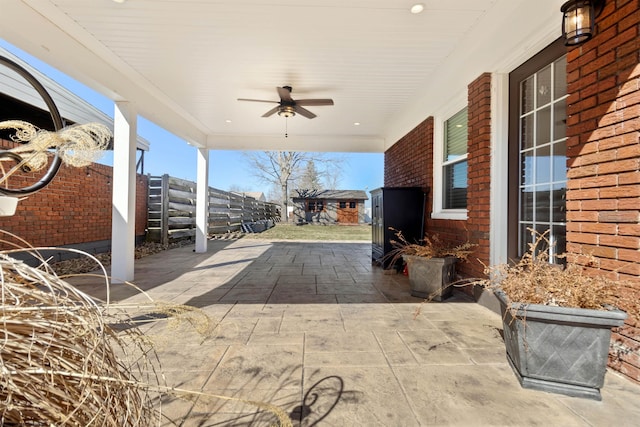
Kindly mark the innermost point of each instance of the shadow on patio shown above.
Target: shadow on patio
(315, 329)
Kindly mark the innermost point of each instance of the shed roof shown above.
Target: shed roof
(330, 194)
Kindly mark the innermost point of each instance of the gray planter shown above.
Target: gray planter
(430, 277)
(558, 349)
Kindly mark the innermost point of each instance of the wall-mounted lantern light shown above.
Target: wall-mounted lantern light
(578, 20)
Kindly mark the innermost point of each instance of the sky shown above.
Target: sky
(171, 155)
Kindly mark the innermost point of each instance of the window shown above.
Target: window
(315, 205)
(537, 145)
(344, 204)
(454, 162)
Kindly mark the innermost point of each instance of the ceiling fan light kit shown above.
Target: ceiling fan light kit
(288, 107)
(286, 111)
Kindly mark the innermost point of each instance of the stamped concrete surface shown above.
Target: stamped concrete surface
(314, 328)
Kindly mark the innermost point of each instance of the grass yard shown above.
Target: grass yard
(315, 232)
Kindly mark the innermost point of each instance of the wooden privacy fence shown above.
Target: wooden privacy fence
(172, 210)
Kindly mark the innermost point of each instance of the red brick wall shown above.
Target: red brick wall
(603, 126)
(74, 208)
(479, 173)
(409, 162)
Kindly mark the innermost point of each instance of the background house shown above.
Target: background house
(329, 206)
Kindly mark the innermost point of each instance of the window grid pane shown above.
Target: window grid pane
(315, 205)
(543, 157)
(455, 194)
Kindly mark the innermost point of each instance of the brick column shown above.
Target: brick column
(479, 172)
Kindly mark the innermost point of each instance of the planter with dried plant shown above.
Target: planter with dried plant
(557, 321)
(431, 264)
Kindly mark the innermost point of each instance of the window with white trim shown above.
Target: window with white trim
(454, 162)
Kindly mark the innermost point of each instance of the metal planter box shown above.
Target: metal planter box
(431, 277)
(558, 349)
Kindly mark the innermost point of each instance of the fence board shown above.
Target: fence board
(172, 209)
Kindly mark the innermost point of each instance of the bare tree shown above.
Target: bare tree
(235, 188)
(281, 169)
(333, 172)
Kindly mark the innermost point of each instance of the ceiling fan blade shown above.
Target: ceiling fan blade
(271, 112)
(285, 94)
(314, 101)
(258, 100)
(303, 112)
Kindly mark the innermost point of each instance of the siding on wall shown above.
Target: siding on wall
(603, 147)
(74, 208)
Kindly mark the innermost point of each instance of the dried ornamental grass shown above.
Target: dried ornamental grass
(78, 145)
(534, 280)
(429, 247)
(66, 359)
(61, 362)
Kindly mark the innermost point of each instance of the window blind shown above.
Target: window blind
(455, 167)
(456, 136)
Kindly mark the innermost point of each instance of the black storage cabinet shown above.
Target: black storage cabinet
(401, 208)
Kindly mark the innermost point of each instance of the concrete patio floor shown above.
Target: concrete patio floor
(317, 330)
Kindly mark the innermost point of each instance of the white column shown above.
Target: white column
(499, 168)
(124, 193)
(202, 200)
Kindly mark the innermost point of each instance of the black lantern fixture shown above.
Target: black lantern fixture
(578, 20)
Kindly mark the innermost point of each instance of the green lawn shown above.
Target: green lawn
(315, 232)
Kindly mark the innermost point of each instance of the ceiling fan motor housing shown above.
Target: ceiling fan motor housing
(288, 107)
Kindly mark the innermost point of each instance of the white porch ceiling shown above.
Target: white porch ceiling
(184, 63)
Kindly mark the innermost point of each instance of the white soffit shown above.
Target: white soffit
(184, 63)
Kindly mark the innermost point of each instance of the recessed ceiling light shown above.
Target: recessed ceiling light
(417, 8)
(227, 121)
(119, 1)
(356, 123)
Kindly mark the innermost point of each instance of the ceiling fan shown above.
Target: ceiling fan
(288, 107)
